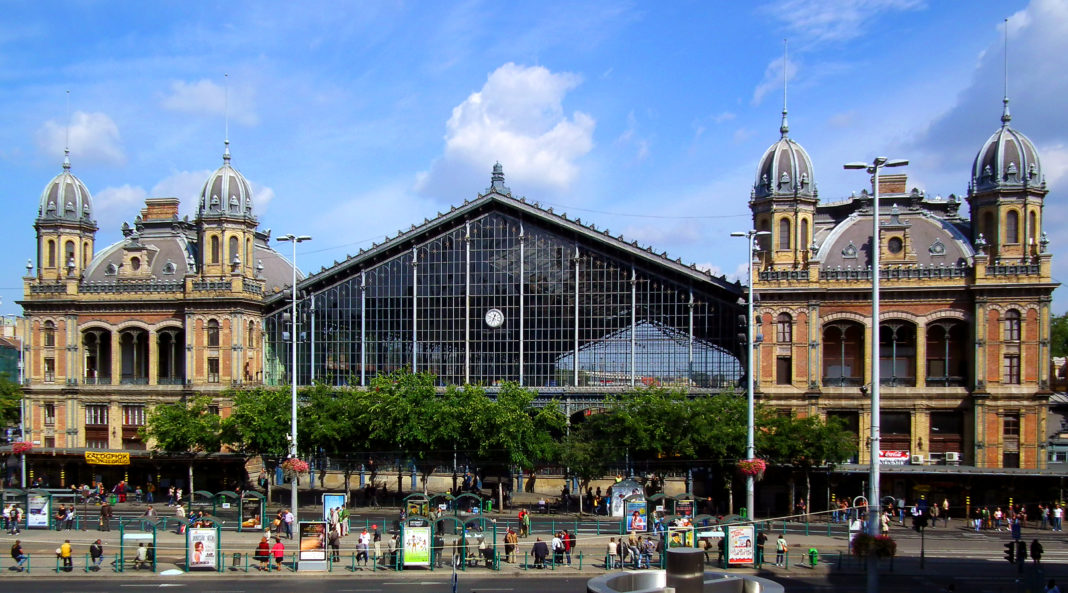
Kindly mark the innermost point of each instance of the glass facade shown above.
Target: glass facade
(499, 297)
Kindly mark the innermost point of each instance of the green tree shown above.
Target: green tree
(10, 401)
(259, 422)
(1058, 335)
(187, 426)
(805, 444)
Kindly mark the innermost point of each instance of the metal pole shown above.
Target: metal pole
(750, 479)
(293, 502)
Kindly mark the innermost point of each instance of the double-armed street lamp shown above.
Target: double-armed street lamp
(874, 504)
(750, 480)
(294, 239)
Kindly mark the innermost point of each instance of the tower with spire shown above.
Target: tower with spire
(65, 227)
(784, 198)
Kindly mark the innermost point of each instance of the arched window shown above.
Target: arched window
(213, 333)
(49, 334)
(1032, 228)
(68, 254)
(248, 252)
(843, 354)
(85, 255)
(235, 249)
(897, 353)
(1011, 325)
(784, 329)
(51, 253)
(802, 238)
(214, 249)
(1012, 227)
(251, 341)
(784, 233)
(946, 353)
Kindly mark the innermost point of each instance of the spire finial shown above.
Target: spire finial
(226, 118)
(66, 147)
(1006, 117)
(785, 127)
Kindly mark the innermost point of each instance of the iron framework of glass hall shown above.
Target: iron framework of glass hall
(500, 289)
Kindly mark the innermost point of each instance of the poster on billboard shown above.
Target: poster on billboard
(893, 457)
(684, 507)
(332, 501)
(417, 542)
(312, 540)
(740, 545)
(201, 548)
(680, 537)
(251, 515)
(636, 519)
(38, 509)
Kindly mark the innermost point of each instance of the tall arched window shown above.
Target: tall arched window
(988, 228)
(49, 334)
(213, 333)
(68, 254)
(1032, 228)
(784, 233)
(85, 255)
(214, 249)
(235, 249)
(248, 252)
(1011, 324)
(1012, 227)
(802, 237)
(51, 253)
(784, 329)
(897, 353)
(843, 354)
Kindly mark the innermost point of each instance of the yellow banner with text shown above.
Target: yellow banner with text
(107, 458)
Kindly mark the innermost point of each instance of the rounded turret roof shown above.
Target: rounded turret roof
(1008, 159)
(226, 192)
(66, 198)
(785, 169)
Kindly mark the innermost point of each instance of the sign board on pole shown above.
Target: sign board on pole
(636, 519)
(201, 548)
(740, 543)
(332, 501)
(312, 541)
(38, 509)
(417, 542)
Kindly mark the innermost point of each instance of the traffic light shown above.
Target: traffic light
(1021, 551)
(1010, 552)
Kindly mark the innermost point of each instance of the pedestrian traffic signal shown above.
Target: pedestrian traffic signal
(1010, 552)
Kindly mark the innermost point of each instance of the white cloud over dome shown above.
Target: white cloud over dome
(94, 139)
(518, 119)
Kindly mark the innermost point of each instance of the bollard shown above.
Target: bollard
(526, 558)
(580, 560)
(813, 557)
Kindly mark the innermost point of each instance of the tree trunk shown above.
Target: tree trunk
(191, 490)
(348, 484)
(808, 493)
(730, 496)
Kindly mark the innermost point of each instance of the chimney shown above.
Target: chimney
(160, 209)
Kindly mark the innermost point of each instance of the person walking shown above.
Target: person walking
(18, 556)
(1036, 551)
(781, 548)
(66, 554)
(96, 554)
(14, 519)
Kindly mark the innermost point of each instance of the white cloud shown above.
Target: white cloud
(630, 137)
(773, 78)
(823, 21)
(205, 97)
(94, 139)
(517, 118)
(113, 205)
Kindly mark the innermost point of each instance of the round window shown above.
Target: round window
(894, 245)
(135, 263)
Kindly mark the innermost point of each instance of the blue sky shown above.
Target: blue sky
(353, 120)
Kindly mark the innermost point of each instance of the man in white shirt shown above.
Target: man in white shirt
(288, 520)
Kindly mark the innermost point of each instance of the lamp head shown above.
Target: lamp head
(737, 234)
(856, 165)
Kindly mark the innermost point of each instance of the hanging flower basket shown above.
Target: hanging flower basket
(20, 447)
(293, 467)
(752, 467)
(883, 546)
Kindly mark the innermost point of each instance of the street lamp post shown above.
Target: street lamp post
(874, 504)
(294, 239)
(750, 480)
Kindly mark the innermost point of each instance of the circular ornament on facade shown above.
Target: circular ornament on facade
(894, 245)
(494, 318)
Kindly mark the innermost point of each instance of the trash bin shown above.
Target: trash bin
(487, 507)
(813, 557)
(237, 560)
(112, 499)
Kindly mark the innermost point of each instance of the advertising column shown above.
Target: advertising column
(416, 536)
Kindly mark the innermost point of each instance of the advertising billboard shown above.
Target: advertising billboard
(740, 545)
(313, 540)
(417, 542)
(251, 518)
(201, 549)
(636, 518)
(38, 508)
(332, 501)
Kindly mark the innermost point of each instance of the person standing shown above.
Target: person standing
(66, 553)
(288, 520)
(105, 516)
(613, 554)
(1058, 517)
(278, 550)
(781, 548)
(263, 553)
(540, 550)
(96, 554)
(569, 542)
(335, 546)
(14, 519)
(762, 538)
(17, 555)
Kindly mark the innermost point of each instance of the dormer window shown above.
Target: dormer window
(70, 207)
(215, 201)
(111, 270)
(51, 206)
(135, 263)
(850, 251)
(234, 205)
(169, 268)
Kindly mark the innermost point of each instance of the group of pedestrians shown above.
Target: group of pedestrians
(12, 519)
(635, 549)
(265, 552)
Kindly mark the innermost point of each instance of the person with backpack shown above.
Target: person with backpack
(780, 551)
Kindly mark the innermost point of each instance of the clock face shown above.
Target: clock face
(494, 318)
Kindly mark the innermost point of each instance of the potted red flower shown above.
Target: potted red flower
(20, 447)
(752, 467)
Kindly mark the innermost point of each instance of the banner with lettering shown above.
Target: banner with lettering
(107, 458)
